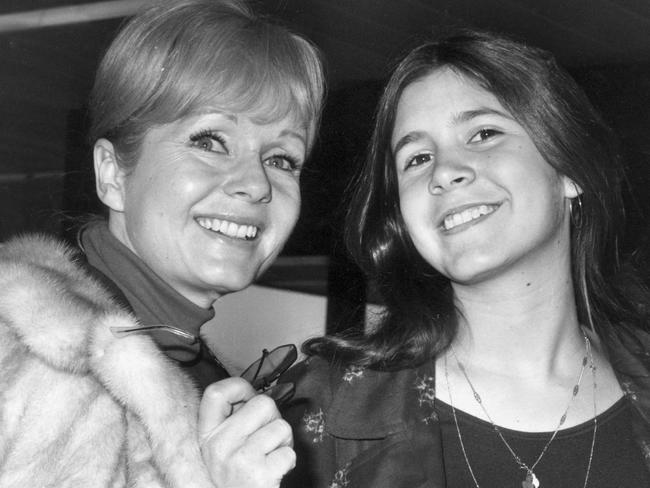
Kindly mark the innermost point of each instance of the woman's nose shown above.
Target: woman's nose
(450, 171)
(249, 181)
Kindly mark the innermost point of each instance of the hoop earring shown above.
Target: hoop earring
(576, 212)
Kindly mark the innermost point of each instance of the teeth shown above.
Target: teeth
(227, 228)
(454, 220)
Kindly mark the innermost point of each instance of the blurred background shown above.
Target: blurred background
(49, 50)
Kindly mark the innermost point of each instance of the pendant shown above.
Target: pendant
(531, 481)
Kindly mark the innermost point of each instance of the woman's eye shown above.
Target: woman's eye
(419, 159)
(283, 162)
(208, 141)
(484, 134)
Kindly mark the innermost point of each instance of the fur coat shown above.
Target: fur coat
(80, 407)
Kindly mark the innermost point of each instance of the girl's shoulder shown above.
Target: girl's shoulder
(359, 401)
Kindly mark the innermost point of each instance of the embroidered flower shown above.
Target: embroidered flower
(645, 448)
(352, 372)
(341, 477)
(315, 425)
(424, 386)
(426, 390)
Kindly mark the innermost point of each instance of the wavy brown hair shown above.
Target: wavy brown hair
(420, 318)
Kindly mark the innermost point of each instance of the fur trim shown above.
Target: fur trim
(79, 406)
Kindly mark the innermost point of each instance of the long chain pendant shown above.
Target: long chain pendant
(531, 481)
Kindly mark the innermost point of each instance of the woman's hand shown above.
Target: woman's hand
(244, 440)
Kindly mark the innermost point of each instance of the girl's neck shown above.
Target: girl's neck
(530, 326)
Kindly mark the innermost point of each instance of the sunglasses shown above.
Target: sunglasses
(185, 347)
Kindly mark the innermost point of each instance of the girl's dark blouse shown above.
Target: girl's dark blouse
(361, 428)
(616, 461)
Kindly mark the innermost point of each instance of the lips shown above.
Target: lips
(229, 228)
(467, 214)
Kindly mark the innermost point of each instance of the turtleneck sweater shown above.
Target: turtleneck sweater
(152, 300)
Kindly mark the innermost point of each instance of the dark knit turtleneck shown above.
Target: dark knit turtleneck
(153, 301)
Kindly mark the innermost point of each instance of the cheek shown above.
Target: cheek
(412, 206)
(286, 203)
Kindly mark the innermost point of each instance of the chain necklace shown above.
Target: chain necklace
(531, 480)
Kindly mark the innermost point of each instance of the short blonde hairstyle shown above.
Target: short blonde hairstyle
(180, 57)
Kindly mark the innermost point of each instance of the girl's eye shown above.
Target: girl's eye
(283, 162)
(419, 159)
(484, 135)
(208, 141)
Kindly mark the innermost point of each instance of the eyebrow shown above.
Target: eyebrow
(295, 135)
(457, 119)
(468, 115)
(413, 136)
(233, 118)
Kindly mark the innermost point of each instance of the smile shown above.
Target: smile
(228, 228)
(469, 214)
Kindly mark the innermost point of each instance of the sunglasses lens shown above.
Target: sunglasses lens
(270, 366)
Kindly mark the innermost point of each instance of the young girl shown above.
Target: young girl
(512, 352)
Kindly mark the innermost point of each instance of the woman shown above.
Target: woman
(202, 115)
(512, 350)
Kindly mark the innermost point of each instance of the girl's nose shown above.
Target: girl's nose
(450, 171)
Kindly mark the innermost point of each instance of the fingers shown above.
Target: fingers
(260, 461)
(218, 403)
(246, 420)
(274, 435)
(281, 461)
(244, 440)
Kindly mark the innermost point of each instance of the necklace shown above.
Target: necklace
(531, 480)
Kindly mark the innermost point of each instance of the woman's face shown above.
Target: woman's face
(476, 195)
(211, 201)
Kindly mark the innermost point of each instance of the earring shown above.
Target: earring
(576, 211)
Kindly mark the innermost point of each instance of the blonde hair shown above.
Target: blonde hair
(182, 57)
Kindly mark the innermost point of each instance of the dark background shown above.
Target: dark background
(46, 72)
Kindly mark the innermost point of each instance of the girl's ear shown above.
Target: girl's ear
(109, 176)
(571, 189)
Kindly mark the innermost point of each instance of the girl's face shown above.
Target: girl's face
(476, 195)
(211, 201)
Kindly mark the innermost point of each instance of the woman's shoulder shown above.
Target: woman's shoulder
(47, 299)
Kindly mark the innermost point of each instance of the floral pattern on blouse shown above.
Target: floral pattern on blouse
(351, 373)
(342, 401)
(426, 395)
(645, 450)
(314, 423)
(341, 477)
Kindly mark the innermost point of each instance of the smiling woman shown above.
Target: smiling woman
(512, 350)
(203, 114)
(236, 197)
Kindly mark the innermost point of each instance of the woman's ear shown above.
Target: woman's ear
(109, 176)
(571, 189)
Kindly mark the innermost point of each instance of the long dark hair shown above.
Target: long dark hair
(419, 318)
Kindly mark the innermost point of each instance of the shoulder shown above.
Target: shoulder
(47, 299)
(363, 426)
(359, 402)
(55, 315)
